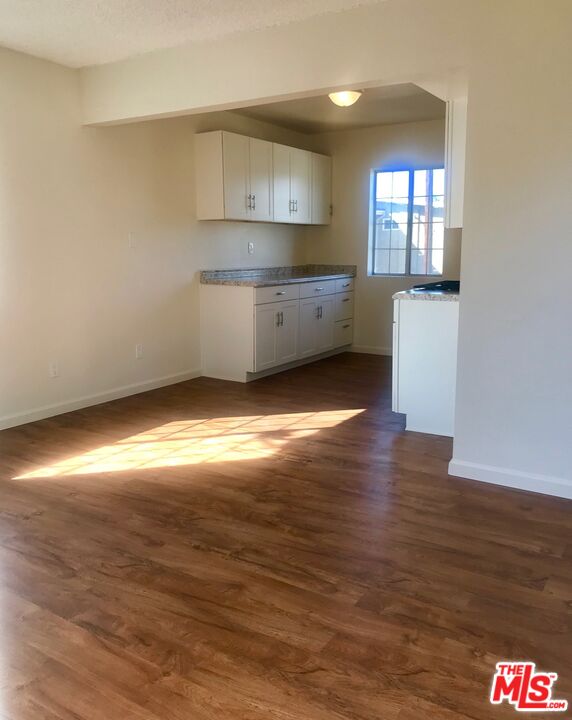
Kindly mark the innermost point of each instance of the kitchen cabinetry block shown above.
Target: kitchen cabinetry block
(246, 331)
(243, 178)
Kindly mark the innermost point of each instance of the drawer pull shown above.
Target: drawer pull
(345, 327)
(345, 300)
(318, 289)
(282, 292)
(346, 284)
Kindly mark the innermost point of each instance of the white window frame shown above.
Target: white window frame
(372, 222)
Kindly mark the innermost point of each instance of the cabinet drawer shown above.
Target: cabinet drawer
(315, 289)
(343, 333)
(344, 306)
(344, 284)
(276, 293)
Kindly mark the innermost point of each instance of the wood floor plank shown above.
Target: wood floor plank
(281, 550)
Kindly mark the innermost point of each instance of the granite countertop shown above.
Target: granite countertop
(264, 277)
(433, 295)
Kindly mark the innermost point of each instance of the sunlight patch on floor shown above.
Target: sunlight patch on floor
(190, 442)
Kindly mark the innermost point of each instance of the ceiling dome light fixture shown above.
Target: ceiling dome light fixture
(345, 98)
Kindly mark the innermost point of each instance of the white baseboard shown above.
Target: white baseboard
(47, 411)
(545, 484)
(371, 350)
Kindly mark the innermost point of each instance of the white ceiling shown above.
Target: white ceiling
(90, 32)
(377, 106)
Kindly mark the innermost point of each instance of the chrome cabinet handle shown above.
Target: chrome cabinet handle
(318, 289)
(346, 285)
(345, 299)
(290, 205)
(249, 201)
(282, 292)
(254, 202)
(345, 327)
(277, 319)
(320, 312)
(295, 205)
(281, 319)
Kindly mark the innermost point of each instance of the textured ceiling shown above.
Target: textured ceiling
(90, 32)
(377, 106)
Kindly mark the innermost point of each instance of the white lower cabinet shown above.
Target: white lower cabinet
(425, 363)
(275, 334)
(316, 325)
(246, 330)
(343, 333)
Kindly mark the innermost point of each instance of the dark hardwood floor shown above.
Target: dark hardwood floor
(281, 550)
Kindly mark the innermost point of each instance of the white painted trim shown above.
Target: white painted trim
(47, 411)
(545, 484)
(371, 350)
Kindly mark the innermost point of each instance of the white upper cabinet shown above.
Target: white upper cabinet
(235, 158)
(455, 144)
(300, 184)
(243, 178)
(321, 189)
(233, 177)
(292, 186)
(260, 157)
(282, 197)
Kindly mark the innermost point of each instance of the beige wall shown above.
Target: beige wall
(354, 154)
(71, 288)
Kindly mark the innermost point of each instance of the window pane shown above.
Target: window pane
(436, 265)
(397, 262)
(421, 183)
(401, 184)
(400, 213)
(439, 182)
(437, 236)
(381, 262)
(383, 233)
(438, 208)
(421, 209)
(384, 187)
(419, 236)
(418, 262)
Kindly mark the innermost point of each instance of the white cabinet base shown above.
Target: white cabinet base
(248, 333)
(425, 364)
(249, 376)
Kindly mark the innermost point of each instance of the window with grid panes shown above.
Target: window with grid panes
(407, 235)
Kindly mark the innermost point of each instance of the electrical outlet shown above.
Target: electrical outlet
(138, 351)
(251, 248)
(54, 369)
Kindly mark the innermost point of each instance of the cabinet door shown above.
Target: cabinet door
(325, 324)
(300, 177)
(308, 323)
(265, 327)
(281, 183)
(287, 333)
(235, 164)
(260, 179)
(321, 189)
